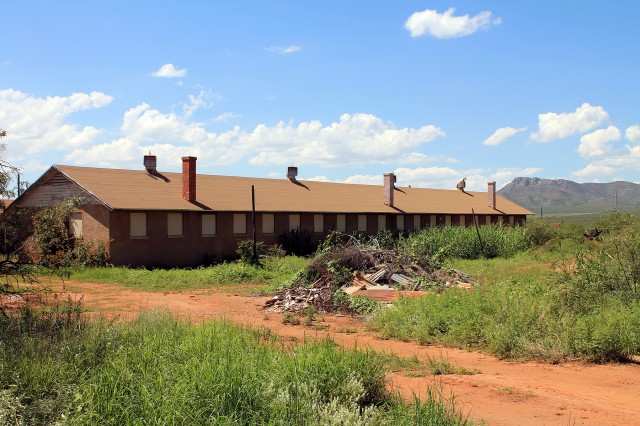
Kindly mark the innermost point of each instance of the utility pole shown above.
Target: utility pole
(18, 184)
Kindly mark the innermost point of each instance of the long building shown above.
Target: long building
(150, 218)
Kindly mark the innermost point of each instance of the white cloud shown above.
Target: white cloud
(445, 25)
(283, 50)
(224, 117)
(501, 135)
(554, 126)
(355, 139)
(595, 170)
(170, 71)
(632, 134)
(39, 123)
(596, 144)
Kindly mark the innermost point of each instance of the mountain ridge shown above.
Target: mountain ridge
(561, 196)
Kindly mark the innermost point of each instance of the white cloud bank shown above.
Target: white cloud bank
(501, 135)
(283, 50)
(444, 177)
(353, 140)
(554, 126)
(170, 71)
(39, 124)
(446, 25)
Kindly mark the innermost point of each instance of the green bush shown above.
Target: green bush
(447, 242)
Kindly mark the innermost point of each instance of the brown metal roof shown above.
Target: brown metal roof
(139, 190)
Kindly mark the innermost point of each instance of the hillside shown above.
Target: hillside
(559, 196)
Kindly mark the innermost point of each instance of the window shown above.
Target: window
(174, 224)
(500, 219)
(294, 221)
(447, 220)
(362, 223)
(400, 222)
(239, 223)
(342, 223)
(208, 224)
(382, 222)
(463, 220)
(75, 225)
(416, 222)
(488, 220)
(318, 223)
(512, 221)
(432, 220)
(268, 222)
(138, 224)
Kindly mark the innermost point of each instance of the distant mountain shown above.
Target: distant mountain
(559, 196)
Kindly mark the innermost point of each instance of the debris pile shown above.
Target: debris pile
(357, 270)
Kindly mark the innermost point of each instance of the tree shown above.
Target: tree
(6, 170)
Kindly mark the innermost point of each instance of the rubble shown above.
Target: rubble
(387, 277)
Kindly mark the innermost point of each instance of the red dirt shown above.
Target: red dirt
(503, 393)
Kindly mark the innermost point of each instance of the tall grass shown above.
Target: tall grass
(273, 272)
(464, 243)
(158, 370)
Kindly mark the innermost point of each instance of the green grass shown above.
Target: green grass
(521, 310)
(272, 274)
(158, 370)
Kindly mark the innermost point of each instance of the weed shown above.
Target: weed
(309, 315)
(290, 318)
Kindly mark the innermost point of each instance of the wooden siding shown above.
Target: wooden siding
(54, 190)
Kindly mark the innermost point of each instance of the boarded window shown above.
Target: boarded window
(294, 221)
(463, 220)
(500, 220)
(239, 223)
(400, 222)
(416, 222)
(342, 223)
(138, 224)
(268, 223)
(318, 222)
(208, 224)
(362, 223)
(447, 220)
(174, 224)
(432, 220)
(488, 220)
(512, 221)
(382, 222)
(75, 225)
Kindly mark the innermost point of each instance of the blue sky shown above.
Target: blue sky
(345, 90)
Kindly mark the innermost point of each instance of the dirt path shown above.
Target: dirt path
(503, 393)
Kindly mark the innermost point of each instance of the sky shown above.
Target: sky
(434, 91)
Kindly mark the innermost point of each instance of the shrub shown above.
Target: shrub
(299, 242)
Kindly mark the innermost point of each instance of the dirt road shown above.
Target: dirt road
(503, 393)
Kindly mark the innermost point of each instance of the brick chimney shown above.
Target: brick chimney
(292, 173)
(389, 185)
(491, 189)
(150, 162)
(189, 178)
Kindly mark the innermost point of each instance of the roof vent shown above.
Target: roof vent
(150, 163)
(292, 172)
(462, 184)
